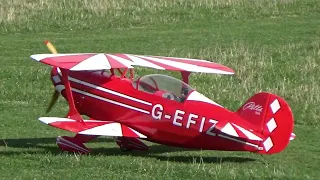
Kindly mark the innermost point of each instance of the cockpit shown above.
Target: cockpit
(165, 86)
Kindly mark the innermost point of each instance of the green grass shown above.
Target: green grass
(272, 45)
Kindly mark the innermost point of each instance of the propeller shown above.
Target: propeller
(51, 48)
(55, 94)
(53, 101)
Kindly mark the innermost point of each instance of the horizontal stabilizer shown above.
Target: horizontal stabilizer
(92, 127)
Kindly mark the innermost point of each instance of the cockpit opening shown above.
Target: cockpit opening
(165, 86)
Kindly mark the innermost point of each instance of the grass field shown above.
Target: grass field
(273, 45)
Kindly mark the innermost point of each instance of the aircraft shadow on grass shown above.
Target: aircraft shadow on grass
(32, 146)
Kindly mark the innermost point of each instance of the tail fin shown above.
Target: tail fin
(272, 117)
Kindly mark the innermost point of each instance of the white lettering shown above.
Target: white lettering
(177, 117)
(157, 114)
(209, 131)
(190, 120)
(202, 124)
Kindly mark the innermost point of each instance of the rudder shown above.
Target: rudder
(272, 117)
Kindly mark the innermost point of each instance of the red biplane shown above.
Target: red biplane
(158, 108)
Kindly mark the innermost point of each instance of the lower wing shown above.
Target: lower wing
(92, 127)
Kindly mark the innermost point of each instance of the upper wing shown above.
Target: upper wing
(100, 61)
(92, 127)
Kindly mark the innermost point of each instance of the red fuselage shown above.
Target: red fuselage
(189, 124)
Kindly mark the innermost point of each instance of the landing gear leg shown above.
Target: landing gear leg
(128, 144)
(75, 144)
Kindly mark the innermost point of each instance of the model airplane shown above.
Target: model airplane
(158, 108)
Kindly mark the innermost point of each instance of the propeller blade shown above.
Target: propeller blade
(56, 94)
(50, 46)
(53, 101)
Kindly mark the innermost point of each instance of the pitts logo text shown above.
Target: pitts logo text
(254, 107)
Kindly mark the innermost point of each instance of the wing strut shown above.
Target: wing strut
(73, 113)
(185, 76)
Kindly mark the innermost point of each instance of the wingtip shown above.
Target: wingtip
(230, 73)
(45, 120)
(39, 57)
(35, 57)
(49, 120)
(227, 72)
(230, 70)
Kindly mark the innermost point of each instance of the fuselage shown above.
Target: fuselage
(197, 122)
